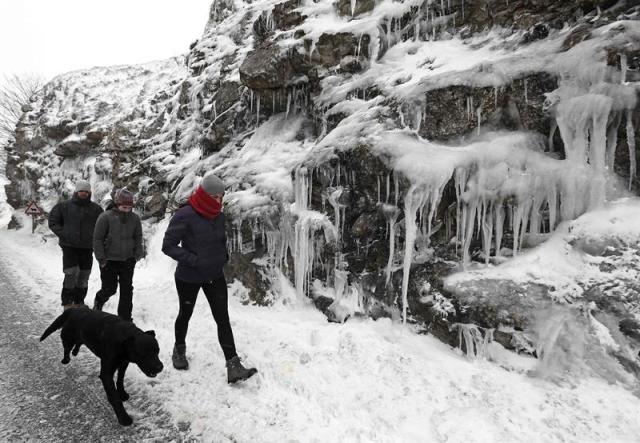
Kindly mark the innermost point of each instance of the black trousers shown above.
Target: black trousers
(76, 265)
(216, 293)
(112, 274)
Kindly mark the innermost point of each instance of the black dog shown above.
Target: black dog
(116, 342)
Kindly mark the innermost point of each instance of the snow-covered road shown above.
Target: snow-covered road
(361, 381)
(42, 400)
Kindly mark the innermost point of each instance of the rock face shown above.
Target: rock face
(296, 118)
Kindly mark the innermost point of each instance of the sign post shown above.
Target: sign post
(34, 210)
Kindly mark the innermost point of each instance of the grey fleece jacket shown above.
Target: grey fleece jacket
(117, 236)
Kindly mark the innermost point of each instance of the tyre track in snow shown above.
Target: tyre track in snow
(43, 400)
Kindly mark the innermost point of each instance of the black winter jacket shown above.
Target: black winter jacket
(73, 222)
(197, 244)
(117, 236)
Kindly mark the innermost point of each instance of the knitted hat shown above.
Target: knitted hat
(83, 185)
(212, 185)
(124, 197)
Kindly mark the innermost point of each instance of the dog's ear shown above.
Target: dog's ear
(151, 333)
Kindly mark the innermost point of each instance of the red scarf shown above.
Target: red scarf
(204, 204)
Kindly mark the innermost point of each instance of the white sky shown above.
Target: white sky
(50, 37)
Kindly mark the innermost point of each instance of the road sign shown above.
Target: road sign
(33, 209)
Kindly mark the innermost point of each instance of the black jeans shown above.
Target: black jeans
(76, 265)
(111, 274)
(216, 293)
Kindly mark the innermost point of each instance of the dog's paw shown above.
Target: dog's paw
(123, 395)
(125, 420)
(65, 360)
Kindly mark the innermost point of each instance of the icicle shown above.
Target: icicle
(288, 103)
(475, 343)
(359, 45)
(396, 185)
(273, 102)
(251, 100)
(499, 214)
(487, 231)
(378, 183)
(631, 142)
(416, 30)
(333, 200)
(479, 117)
(612, 140)
(386, 200)
(412, 203)
(353, 7)
(258, 109)
(552, 132)
(526, 94)
(391, 214)
(623, 68)
(495, 97)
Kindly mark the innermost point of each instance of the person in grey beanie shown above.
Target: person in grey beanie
(73, 221)
(196, 239)
(117, 244)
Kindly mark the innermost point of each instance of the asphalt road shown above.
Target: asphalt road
(43, 400)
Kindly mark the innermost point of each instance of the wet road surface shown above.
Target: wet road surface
(44, 400)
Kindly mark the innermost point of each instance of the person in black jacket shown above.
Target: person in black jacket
(73, 222)
(117, 243)
(196, 239)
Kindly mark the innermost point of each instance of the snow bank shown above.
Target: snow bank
(360, 381)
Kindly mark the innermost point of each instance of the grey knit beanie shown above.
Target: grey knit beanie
(212, 184)
(83, 185)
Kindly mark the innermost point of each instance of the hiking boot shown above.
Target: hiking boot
(97, 305)
(236, 372)
(179, 357)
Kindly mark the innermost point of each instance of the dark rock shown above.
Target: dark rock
(285, 16)
(351, 64)
(630, 327)
(95, 136)
(155, 205)
(58, 132)
(455, 110)
(579, 34)
(268, 68)
(331, 48)
(343, 7)
(73, 147)
(539, 32)
(26, 108)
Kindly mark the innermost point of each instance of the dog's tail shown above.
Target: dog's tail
(57, 324)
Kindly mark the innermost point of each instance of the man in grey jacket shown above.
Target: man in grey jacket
(117, 244)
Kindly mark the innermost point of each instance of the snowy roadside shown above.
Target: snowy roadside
(362, 381)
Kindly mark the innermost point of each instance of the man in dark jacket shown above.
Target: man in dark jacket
(73, 222)
(196, 239)
(117, 243)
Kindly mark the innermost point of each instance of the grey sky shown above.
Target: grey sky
(50, 37)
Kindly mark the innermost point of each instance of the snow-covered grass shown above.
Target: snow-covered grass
(363, 380)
